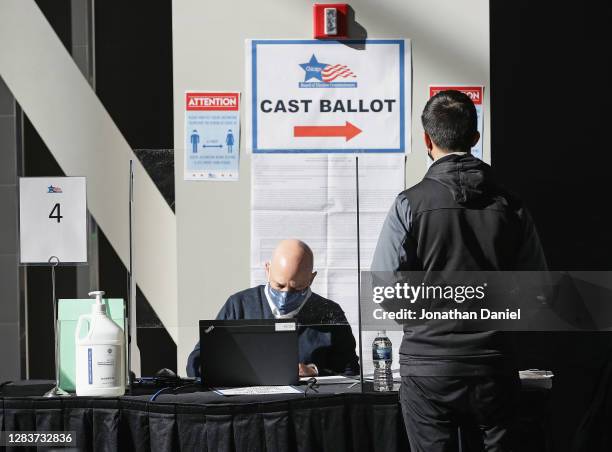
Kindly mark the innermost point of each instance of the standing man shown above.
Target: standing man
(458, 218)
(195, 139)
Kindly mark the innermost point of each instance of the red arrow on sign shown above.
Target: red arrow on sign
(347, 131)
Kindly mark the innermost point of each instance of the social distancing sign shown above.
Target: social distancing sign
(309, 96)
(212, 136)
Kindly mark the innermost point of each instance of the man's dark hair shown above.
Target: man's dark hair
(450, 120)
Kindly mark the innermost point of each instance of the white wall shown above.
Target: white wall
(450, 43)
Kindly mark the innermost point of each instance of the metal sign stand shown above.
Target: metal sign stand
(133, 354)
(56, 391)
(65, 235)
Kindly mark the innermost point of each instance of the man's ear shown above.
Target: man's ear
(428, 142)
(476, 138)
(267, 268)
(312, 277)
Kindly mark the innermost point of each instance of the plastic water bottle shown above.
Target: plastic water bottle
(382, 356)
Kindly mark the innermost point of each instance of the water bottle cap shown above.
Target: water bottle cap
(381, 333)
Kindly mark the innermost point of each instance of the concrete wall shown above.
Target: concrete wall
(450, 42)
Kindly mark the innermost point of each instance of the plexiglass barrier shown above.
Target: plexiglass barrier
(314, 198)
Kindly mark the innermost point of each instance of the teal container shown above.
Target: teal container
(69, 312)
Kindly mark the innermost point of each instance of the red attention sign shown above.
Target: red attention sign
(212, 101)
(473, 92)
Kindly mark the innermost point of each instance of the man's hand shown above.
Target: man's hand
(308, 370)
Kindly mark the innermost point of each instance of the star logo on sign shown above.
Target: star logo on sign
(313, 69)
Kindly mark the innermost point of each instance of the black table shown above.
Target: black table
(336, 418)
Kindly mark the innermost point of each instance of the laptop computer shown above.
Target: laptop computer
(261, 352)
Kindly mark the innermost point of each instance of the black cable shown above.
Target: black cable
(174, 390)
(311, 384)
(154, 396)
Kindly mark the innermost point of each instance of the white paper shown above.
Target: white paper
(257, 390)
(52, 219)
(313, 198)
(330, 378)
(212, 136)
(306, 96)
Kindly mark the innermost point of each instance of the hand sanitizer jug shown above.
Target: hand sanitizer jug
(100, 354)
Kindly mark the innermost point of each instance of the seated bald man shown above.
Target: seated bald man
(325, 341)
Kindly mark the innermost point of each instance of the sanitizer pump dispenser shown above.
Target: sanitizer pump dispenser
(100, 353)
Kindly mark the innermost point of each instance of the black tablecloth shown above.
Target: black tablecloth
(334, 419)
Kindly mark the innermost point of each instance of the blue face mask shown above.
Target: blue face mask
(286, 302)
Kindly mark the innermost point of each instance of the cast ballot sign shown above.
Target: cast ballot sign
(212, 135)
(476, 94)
(52, 219)
(309, 96)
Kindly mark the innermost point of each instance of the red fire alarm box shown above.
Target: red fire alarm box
(330, 20)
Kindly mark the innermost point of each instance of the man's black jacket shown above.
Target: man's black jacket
(458, 218)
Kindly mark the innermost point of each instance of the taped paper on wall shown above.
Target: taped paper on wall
(212, 136)
(313, 198)
(313, 96)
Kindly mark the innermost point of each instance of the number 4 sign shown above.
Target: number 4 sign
(52, 219)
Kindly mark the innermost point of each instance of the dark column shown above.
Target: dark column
(12, 318)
